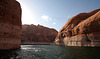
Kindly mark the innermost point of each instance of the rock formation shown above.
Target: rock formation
(81, 30)
(36, 34)
(10, 24)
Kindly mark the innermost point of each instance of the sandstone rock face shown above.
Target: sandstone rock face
(39, 33)
(10, 24)
(81, 30)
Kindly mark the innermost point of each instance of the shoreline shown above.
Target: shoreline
(37, 43)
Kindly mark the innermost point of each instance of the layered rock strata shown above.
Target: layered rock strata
(10, 24)
(32, 34)
(81, 30)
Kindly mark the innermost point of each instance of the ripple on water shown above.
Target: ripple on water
(51, 52)
(40, 52)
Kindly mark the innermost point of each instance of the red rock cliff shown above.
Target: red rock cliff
(81, 30)
(33, 33)
(10, 24)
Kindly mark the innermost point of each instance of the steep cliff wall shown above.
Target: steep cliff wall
(33, 33)
(10, 24)
(81, 30)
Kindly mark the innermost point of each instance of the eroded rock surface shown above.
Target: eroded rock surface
(10, 24)
(36, 34)
(81, 30)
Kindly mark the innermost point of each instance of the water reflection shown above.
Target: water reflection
(83, 52)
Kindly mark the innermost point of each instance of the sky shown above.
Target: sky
(54, 13)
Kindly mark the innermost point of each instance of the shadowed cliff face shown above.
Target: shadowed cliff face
(81, 30)
(33, 33)
(10, 24)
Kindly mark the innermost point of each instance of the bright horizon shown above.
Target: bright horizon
(54, 13)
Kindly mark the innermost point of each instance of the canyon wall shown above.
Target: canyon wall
(10, 24)
(37, 34)
(81, 30)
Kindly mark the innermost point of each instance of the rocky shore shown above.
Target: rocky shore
(10, 24)
(81, 30)
(38, 34)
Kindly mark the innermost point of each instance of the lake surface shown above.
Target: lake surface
(51, 52)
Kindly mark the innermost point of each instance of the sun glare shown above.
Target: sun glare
(27, 15)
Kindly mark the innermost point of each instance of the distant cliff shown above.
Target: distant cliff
(39, 33)
(81, 30)
(10, 24)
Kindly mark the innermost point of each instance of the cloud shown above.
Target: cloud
(68, 16)
(54, 23)
(46, 18)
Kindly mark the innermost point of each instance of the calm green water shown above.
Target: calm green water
(51, 52)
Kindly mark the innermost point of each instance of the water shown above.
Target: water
(51, 52)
